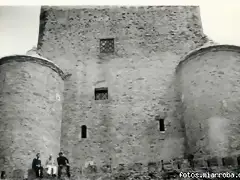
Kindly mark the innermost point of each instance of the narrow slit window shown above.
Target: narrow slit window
(238, 160)
(101, 93)
(208, 164)
(84, 131)
(161, 125)
(3, 175)
(223, 162)
(107, 45)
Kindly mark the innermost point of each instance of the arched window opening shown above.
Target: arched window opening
(84, 131)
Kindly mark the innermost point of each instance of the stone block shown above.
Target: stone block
(136, 167)
(198, 163)
(76, 171)
(173, 174)
(177, 164)
(152, 167)
(228, 161)
(31, 174)
(106, 168)
(238, 160)
(90, 169)
(18, 174)
(212, 162)
(185, 164)
(167, 165)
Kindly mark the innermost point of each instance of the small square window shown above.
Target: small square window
(101, 93)
(107, 45)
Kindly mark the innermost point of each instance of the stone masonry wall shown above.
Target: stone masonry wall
(149, 42)
(209, 81)
(203, 168)
(30, 112)
(175, 169)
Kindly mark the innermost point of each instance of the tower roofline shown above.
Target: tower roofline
(111, 6)
(33, 59)
(205, 49)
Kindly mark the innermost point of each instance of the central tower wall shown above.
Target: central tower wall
(149, 42)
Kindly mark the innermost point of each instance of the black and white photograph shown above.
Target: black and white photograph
(119, 90)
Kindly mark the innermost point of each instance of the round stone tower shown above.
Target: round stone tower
(30, 111)
(209, 85)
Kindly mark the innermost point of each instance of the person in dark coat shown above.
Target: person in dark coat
(63, 162)
(37, 167)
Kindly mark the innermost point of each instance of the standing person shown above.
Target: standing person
(37, 167)
(63, 162)
(51, 166)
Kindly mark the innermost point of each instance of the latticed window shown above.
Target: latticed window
(101, 93)
(107, 45)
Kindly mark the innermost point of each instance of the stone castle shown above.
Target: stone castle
(122, 91)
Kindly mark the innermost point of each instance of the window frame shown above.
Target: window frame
(83, 131)
(103, 90)
(103, 49)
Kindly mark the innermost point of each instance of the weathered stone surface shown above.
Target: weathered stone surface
(136, 167)
(209, 81)
(198, 163)
(212, 162)
(229, 161)
(121, 129)
(18, 174)
(122, 132)
(238, 160)
(30, 113)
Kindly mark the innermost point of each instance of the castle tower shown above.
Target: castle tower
(122, 61)
(209, 82)
(30, 111)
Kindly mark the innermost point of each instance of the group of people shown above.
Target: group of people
(51, 166)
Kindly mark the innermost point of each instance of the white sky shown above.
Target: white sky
(19, 24)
